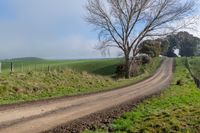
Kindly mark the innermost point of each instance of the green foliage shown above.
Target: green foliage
(151, 48)
(187, 43)
(176, 110)
(184, 41)
(164, 46)
(87, 76)
(143, 64)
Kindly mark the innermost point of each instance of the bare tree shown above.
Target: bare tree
(126, 23)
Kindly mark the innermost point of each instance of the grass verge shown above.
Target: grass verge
(194, 64)
(31, 86)
(177, 109)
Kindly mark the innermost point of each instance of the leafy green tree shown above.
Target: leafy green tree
(151, 48)
(185, 42)
(164, 46)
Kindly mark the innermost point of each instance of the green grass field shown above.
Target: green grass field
(75, 77)
(100, 67)
(195, 66)
(177, 109)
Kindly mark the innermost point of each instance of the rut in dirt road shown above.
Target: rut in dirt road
(45, 115)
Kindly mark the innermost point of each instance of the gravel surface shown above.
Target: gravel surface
(81, 112)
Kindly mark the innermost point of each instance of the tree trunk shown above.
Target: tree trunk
(127, 67)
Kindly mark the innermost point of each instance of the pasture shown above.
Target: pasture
(100, 67)
(65, 78)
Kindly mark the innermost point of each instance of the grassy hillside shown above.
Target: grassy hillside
(87, 77)
(26, 59)
(195, 66)
(176, 110)
(102, 67)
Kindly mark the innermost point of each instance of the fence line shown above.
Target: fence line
(196, 80)
(10, 67)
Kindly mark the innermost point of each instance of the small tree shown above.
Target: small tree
(151, 48)
(126, 23)
(164, 46)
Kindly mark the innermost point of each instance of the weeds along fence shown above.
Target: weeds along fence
(10, 67)
(196, 80)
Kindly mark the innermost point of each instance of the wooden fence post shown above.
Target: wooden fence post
(48, 68)
(22, 68)
(0, 67)
(11, 67)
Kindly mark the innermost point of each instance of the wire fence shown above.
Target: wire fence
(196, 80)
(11, 67)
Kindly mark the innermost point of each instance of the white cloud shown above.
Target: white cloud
(70, 47)
(50, 29)
(194, 28)
(47, 28)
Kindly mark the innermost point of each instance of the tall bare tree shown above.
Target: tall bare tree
(126, 23)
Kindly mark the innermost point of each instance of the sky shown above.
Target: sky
(52, 29)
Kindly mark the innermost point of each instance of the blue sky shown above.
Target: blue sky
(52, 29)
(47, 29)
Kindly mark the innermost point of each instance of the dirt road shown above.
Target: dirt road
(44, 115)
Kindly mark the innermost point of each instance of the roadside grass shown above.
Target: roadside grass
(86, 77)
(194, 63)
(177, 109)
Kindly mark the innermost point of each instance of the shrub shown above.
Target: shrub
(135, 70)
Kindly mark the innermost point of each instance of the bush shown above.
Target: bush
(144, 59)
(120, 71)
(135, 70)
(151, 48)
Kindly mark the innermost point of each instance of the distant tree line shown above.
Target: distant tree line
(185, 42)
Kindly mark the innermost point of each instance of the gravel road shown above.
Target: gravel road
(41, 116)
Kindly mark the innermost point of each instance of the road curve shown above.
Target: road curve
(42, 116)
